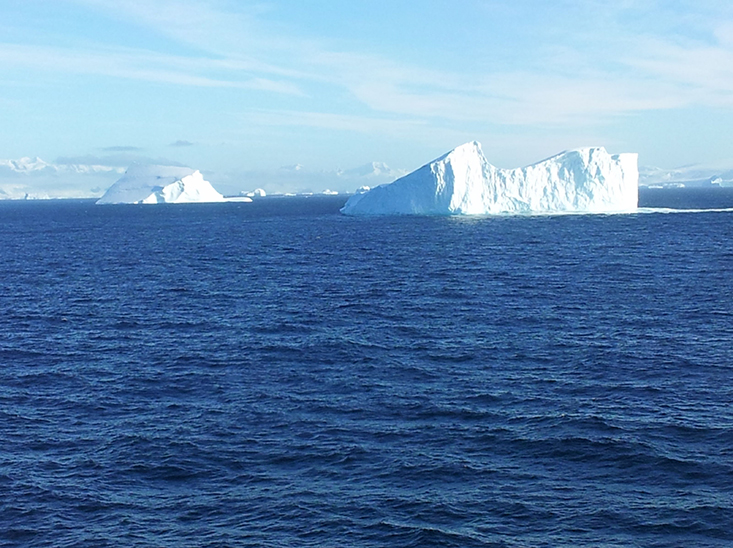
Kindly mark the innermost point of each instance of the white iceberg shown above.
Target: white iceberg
(463, 182)
(160, 184)
(258, 193)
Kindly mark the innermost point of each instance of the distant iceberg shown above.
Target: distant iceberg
(463, 182)
(257, 192)
(160, 184)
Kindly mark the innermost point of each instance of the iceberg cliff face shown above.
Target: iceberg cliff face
(463, 182)
(160, 184)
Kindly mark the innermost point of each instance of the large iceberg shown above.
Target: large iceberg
(463, 182)
(160, 184)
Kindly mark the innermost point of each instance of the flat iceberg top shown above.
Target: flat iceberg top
(463, 182)
(160, 184)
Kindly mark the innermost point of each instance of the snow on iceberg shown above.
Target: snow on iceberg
(463, 182)
(160, 184)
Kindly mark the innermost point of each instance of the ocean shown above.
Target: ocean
(276, 374)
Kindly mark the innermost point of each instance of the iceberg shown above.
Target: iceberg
(256, 193)
(160, 184)
(463, 182)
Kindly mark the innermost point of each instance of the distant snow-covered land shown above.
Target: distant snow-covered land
(89, 177)
(34, 178)
(685, 176)
(463, 182)
(300, 179)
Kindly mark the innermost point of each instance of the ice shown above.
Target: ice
(27, 165)
(695, 175)
(256, 193)
(463, 182)
(148, 184)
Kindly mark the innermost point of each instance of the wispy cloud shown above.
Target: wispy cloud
(333, 121)
(122, 160)
(139, 65)
(702, 74)
(181, 143)
(620, 58)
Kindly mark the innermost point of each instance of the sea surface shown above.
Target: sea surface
(276, 374)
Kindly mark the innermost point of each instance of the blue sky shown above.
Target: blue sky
(240, 89)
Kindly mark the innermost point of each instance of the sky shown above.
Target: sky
(300, 95)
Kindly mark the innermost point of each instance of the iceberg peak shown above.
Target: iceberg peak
(463, 182)
(151, 184)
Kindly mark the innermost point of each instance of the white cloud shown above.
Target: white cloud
(138, 65)
(702, 74)
(338, 122)
(604, 68)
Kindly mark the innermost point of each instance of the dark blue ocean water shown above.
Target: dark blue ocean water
(276, 374)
